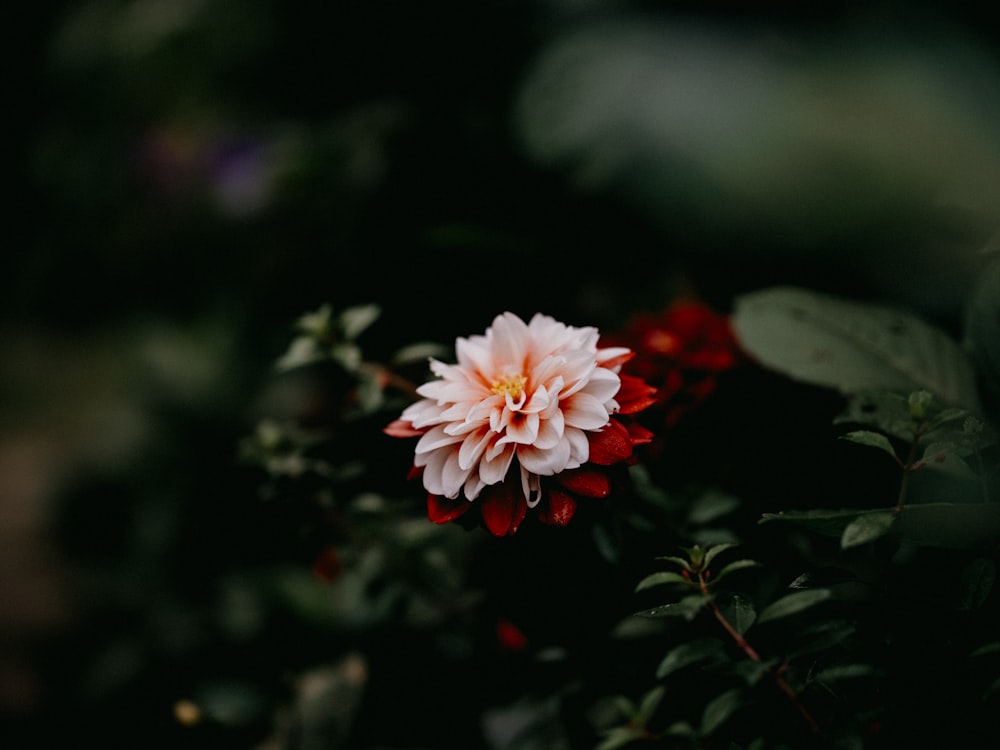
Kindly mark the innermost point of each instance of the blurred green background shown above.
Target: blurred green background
(192, 175)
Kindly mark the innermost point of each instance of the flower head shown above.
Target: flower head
(528, 415)
(682, 350)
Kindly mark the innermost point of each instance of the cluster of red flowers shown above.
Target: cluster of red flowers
(481, 408)
(681, 351)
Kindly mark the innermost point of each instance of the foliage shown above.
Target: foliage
(278, 214)
(821, 626)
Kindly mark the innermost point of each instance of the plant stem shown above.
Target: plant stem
(751, 652)
(908, 468)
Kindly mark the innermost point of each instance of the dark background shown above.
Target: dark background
(188, 178)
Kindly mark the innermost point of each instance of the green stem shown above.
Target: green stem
(908, 468)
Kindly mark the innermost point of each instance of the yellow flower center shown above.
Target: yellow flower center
(510, 385)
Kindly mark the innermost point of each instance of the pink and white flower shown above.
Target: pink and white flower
(523, 418)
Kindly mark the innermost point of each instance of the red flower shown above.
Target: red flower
(681, 350)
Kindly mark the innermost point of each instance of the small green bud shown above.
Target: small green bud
(918, 403)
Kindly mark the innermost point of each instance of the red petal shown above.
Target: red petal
(503, 508)
(510, 636)
(441, 509)
(402, 428)
(639, 434)
(585, 481)
(415, 471)
(611, 445)
(634, 395)
(618, 361)
(557, 508)
(327, 566)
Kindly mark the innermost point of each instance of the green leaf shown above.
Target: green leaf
(678, 561)
(866, 528)
(605, 543)
(881, 410)
(733, 567)
(625, 706)
(989, 648)
(649, 703)
(711, 505)
(871, 439)
(982, 331)
(689, 653)
(967, 526)
(992, 690)
(740, 613)
(945, 457)
(751, 671)
(680, 729)
(719, 709)
(977, 581)
(688, 608)
(844, 672)
(792, 604)
(820, 636)
(658, 579)
(714, 551)
(356, 319)
(619, 737)
(851, 346)
(826, 522)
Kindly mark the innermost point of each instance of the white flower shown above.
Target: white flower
(523, 395)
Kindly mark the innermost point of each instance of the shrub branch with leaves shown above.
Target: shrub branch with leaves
(850, 621)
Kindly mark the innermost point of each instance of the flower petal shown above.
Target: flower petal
(586, 481)
(503, 507)
(585, 412)
(610, 445)
(401, 428)
(558, 508)
(441, 509)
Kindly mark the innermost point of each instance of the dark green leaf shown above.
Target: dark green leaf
(688, 653)
(711, 505)
(678, 561)
(879, 410)
(625, 706)
(680, 729)
(733, 567)
(712, 552)
(657, 579)
(844, 672)
(719, 709)
(687, 608)
(820, 636)
(851, 346)
(866, 528)
(751, 671)
(827, 522)
(649, 703)
(968, 526)
(619, 737)
(871, 439)
(605, 543)
(946, 457)
(977, 582)
(992, 690)
(947, 525)
(739, 612)
(793, 603)
(354, 320)
(989, 648)
(982, 331)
